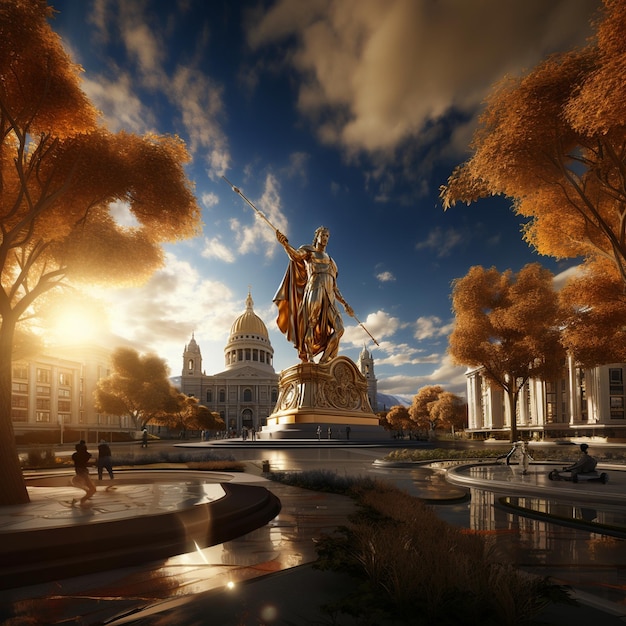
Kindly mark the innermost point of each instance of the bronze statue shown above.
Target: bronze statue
(307, 299)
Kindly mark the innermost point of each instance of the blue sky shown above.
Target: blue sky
(343, 113)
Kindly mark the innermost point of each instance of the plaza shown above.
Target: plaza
(258, 575)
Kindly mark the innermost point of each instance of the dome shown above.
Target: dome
(249, 323)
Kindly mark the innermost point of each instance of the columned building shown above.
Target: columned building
(583, 403)
(245, 393)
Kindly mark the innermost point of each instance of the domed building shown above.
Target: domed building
(245, 393)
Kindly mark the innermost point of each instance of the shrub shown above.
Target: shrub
(411, 566)
(41, 457)
(562, 453)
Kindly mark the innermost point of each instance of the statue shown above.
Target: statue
(307, 299)
(332, 392)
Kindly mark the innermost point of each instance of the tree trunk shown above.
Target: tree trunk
(512, 399)
(12, 485)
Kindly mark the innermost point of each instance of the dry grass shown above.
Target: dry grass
(411, 567)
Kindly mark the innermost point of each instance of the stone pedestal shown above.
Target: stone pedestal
(330, 395)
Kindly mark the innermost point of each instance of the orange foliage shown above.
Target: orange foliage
(61, 176)
(594, 305)
(509, 325)
(398, 418)
(433, 407)
(554, 141)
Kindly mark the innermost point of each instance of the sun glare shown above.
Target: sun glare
(76, 322)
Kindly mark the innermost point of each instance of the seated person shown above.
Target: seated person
(585, 464)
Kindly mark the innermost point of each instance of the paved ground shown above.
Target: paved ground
(265, 577)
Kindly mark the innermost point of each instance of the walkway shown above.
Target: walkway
(264, 576)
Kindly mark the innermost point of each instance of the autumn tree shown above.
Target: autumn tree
(202, 418)
(399, 419)
(188, 414)
(508, 325)
(419, 412)
(61, 173)
(594, 310)
(433, 407)
(554, 142)
(448, 411)
(138, 387)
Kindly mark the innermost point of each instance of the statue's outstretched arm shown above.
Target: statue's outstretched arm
(295, 255)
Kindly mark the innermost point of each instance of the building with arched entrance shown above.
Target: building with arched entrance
(245, 393)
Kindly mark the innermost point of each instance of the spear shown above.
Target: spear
(264, 218)
(259, 213)
(365, 329)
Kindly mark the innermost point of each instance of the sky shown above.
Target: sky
(344, 113)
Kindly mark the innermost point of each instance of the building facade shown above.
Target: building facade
(54, 395)
(583, 403)
(245, 393)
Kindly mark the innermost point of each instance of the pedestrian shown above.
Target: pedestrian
(347, 432)
(585, 464)
(104, 459)
(330, 432)
(144, 438)
(319, 433)
(81, 479)
(253, 433)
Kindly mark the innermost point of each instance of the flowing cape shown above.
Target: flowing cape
(288, 299)
(292, 317)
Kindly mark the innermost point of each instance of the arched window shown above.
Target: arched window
(190, 365)
(247, 395)
(246, 418)
(209, 395)
(222, 395)
(274, 395)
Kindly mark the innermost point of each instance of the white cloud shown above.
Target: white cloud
(385, 277)
(429, 327)
(161, 315)
(201, 107)
(250, 238)
(374, 74)
(209, 199)
(401, 354)
(561, 278)
(450, 377)
(145, 46)
(121, 213)
(440, 241)
(119, 104)
(379, 324)
(215, 249)
(195, 97)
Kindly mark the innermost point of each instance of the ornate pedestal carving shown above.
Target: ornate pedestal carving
(331, 395)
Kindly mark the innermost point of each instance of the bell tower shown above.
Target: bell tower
(366, 367)
(192, 359)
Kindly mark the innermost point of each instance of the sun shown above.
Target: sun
(76, 321)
